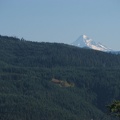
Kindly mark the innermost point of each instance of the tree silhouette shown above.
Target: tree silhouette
(114, 108)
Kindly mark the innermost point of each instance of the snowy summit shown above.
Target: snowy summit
(85, 42)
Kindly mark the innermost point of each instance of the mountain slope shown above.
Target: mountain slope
(84, 41)
(27, 90)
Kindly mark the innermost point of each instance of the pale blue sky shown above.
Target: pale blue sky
(62, 20)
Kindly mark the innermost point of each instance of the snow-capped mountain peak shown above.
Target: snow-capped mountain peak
(84, 36)
(85, 41)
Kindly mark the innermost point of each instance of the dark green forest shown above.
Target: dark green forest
(55, 81)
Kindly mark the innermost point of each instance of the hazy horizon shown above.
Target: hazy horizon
(62, 21)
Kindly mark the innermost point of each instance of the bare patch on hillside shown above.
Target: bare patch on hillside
(62, 83)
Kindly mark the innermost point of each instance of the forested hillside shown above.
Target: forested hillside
(53, 81)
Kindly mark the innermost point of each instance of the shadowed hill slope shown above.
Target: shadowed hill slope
(29, 70)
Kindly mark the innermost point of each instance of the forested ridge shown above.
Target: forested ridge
(55, 81)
